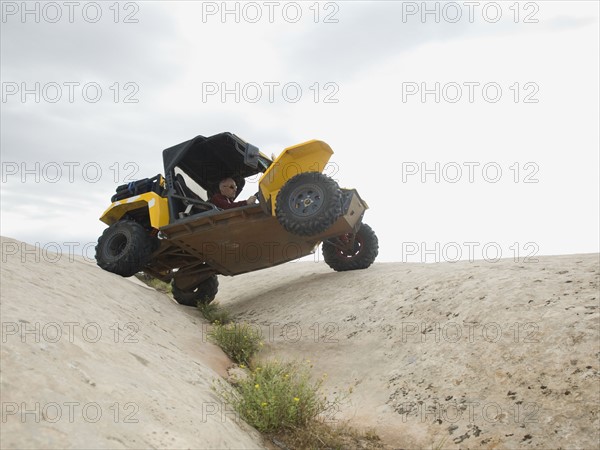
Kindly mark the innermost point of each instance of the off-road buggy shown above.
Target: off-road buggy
(166, 227)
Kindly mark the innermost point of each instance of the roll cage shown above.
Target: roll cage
(206, 161)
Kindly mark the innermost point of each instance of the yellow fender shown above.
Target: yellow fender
(311, 156)
(158, 209)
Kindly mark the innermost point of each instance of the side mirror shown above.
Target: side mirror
(251, 156)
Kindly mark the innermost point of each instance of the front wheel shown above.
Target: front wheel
(308, 204)
(361, 256)
(125, 248)
(204, 292)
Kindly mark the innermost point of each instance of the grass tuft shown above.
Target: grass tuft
(278, 396)
(324, 435)
(214, 313)
(155, 283)
(239, 341)
(280, 399)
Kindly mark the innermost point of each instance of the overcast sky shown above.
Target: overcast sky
(464, 126)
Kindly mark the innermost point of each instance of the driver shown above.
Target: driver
(227, 193)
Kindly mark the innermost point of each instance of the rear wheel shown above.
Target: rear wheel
(204, 292)
(125, 248)
(308, 204)
(361, 256)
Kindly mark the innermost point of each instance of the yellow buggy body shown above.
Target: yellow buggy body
(167, 229)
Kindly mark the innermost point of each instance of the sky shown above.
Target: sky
(470, 129)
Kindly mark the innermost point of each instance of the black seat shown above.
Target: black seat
(183, 188)
(192, 202)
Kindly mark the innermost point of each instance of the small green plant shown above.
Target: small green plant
(161, 286)
(154, 283)
(320, 434)
(214, 313)
(281, 400)
(239, 341)
(278, 396)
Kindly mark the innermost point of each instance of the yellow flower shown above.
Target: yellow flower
(286, 376)
(296, 399)
(242, 366)
(263, 404)
(257, 386)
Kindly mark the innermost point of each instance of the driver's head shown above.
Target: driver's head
(228, 188)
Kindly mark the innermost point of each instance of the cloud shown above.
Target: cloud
(570, 22)
(102, 50)
(171, 51)
(371, 33)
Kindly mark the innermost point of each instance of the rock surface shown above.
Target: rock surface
(452, 355)
(467, 354)
(92, 360)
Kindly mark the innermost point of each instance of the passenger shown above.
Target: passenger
(228, 191)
